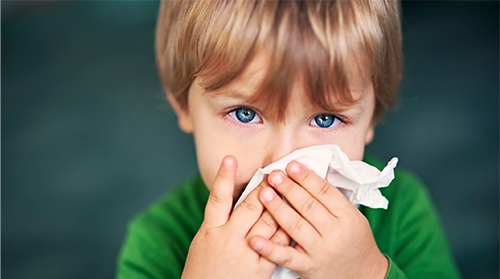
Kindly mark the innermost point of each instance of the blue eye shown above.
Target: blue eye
(325, 121)
(245, 115)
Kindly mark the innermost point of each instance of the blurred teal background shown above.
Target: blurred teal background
(88, 139)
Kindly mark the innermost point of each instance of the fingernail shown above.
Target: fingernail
(257, 244)
(277, 178)
(294, 168)
(228, 162)
(267, 195)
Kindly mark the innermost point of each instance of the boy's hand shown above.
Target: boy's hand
(334, 239)
(220, 248)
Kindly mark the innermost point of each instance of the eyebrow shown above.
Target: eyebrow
(232, 93)
(244, 96)
(356, 108)
(336, 107)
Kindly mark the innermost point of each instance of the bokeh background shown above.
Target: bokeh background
(88, 139)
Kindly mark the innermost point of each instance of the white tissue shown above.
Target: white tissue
(358, 181)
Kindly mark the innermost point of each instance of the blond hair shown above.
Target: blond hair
(318, 40)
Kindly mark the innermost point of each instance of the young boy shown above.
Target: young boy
(253, 81)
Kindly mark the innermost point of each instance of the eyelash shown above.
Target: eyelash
(232, 114)
(337, 120)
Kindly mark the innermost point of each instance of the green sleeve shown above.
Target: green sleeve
(158, 239)
(394, 272)
(409, 232)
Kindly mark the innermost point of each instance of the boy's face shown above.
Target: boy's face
(226, 123)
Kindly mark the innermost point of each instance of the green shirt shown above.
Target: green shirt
(408, 233)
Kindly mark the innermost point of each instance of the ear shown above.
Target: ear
(369, 134)
(183, 116)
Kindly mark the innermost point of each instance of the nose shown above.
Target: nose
(281, 144)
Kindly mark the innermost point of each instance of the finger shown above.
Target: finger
(285, 256)
(246, 215)
(266, 226)
(281, 237)
(220, 199)
(293, 224)
(312, 210)
(320, 188)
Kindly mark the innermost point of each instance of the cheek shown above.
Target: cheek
(355, 150)
(355, 153)
(209, 166)
(353, 146)
(212, 147)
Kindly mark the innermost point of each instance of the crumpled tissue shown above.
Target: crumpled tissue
(358, 181)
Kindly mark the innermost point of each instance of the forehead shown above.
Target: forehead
(250, 87)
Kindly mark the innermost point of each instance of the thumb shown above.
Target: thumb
(220, 200)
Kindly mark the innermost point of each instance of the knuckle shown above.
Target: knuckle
(287, 189)
(281, 238)
(308, 177)
(204, 232)
(263, 183)
(278, 206)
(308, 205)
(216, 199)
(269, 221)
(224, 174)
(286, 261)
(249, 206)
(324, 188)
(258, 189)
(295, 227)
